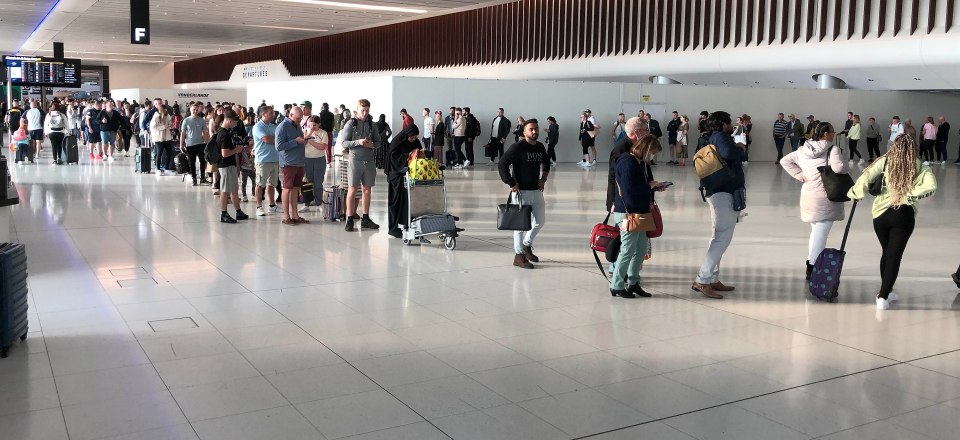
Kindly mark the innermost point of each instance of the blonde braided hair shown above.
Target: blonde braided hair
(901, 168)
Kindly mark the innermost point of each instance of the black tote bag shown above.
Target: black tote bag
(514, 216)
(835, 184)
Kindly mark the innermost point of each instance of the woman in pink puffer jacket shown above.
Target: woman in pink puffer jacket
(815, 208)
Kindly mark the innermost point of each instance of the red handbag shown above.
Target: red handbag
(657, 221)
(602, 234)
(601, 237)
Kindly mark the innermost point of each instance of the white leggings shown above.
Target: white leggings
(819, 231)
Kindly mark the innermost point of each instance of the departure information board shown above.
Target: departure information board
(42, 71)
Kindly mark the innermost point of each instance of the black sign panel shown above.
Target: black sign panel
(139, 21)
(42, 71)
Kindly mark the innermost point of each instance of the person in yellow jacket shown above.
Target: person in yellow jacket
(905, 180)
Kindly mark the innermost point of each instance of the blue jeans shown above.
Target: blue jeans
(108, 137)
(534, 199)
(723, 221)
(794, 143)
(315, 168)
(633, 246)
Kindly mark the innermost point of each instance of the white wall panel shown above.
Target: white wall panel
(137, 75)
(346, 91)
(530, 99)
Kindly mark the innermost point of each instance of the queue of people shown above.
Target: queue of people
(226, 145)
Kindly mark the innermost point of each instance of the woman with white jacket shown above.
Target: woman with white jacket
(815, 208)
(162, 137)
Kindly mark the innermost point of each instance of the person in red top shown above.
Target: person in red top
(407, 119)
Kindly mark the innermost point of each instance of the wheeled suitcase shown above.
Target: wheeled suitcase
(825, 279)
(13, 296)
(142, 160)
(334, 201)
(71, 149)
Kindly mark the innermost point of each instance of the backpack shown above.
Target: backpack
(211, 152)
(711, 168)
(56, 121)
(473, 126)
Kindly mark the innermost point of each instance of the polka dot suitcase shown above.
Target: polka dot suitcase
(825, 279)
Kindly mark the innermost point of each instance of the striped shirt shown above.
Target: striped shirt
(779, 128)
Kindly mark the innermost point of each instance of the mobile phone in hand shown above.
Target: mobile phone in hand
(663, 185)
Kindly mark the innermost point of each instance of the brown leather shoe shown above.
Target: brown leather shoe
(719, 287)
(528, 253)
(706, 290)
(520, 261)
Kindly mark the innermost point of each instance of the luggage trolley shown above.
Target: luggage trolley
(427, 212)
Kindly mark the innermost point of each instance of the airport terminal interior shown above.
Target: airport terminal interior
(149, 317)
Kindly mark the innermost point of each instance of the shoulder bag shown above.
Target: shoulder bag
(605, 238)
(835, 184)
(636, 222)
(514, 217)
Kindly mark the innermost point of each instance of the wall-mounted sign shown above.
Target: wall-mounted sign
(139, 21)
(261, 71)
(646, 98)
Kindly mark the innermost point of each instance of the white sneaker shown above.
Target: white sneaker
(892, 296)
(109, 158)
(303, 208)
(245, 199)
(582, 163)
(275, 209)
(851, 160)
(745, 163)
(883, 304)
(943, 162)
(458, 167)
(926, 162)
(861, 161)
(467, 163)
(261, 212)
(593, 163)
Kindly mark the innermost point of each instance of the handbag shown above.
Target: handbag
(514, 217)
(605, 238)
(835, 184)
(636, 222)
(876, 187)
(657, 221)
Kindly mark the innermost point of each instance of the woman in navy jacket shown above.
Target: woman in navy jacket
(635, 185)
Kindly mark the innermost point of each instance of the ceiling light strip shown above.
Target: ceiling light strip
(81, 52)
(54, 6)
(366, 7)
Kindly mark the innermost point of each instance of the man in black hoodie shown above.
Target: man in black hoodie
(400, 148)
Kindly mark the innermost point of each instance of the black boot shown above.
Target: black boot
(638, 291)
(809, 270)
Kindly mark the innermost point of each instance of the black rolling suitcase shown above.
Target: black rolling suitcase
(13, 295)
(71, 149)
(142, 160)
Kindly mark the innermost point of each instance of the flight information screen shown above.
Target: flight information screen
(42, 71)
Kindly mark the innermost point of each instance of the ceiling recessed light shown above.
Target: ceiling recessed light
(358, 6)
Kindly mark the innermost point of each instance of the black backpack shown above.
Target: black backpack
(211, 152)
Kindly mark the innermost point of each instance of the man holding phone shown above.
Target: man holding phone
(360, 137)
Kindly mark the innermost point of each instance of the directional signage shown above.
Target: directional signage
(139, 21)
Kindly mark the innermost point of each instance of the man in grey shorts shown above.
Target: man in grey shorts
(359, 137)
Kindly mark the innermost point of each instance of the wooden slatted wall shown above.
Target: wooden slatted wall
(534, 30)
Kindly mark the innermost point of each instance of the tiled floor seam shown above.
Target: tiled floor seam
(750, 398)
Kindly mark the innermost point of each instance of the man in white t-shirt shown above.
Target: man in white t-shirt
(428, 125)
(896, 129)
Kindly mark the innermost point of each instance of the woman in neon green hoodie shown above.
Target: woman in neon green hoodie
(905, 180)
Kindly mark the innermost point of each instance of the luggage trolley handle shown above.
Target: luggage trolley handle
(846, 231)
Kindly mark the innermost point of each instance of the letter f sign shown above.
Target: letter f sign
(139, 21)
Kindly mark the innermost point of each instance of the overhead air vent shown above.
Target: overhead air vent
(828, 82)
(658, 79)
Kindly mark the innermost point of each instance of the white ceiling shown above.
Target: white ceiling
(180, 29)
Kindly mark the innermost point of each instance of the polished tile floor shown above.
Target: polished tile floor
(151, 320)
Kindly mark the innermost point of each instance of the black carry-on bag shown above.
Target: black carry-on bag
(71, 149)
(825, 279)
(142, 160)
